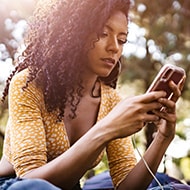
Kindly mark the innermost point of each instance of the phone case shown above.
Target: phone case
(167, 73)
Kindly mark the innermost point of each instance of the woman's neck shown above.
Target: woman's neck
(91, 87)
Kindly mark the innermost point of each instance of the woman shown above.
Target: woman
(64, 110)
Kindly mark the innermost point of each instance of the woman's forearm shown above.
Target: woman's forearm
(66, 170)
(140, 177)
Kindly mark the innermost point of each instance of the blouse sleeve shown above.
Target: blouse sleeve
(27, 134)
(121, 158)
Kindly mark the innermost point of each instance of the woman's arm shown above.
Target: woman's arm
(140, 177)
(69, 167)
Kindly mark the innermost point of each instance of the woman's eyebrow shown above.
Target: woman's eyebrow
(111, 29)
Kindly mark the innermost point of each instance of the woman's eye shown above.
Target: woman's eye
(103, 34)
(122, 41)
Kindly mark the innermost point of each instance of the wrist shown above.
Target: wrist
(161, 137)
(104, 132)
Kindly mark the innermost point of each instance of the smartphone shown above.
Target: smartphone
(167, 73)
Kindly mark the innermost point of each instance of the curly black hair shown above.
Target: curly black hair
(55, 42)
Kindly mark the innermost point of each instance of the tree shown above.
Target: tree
(167, 37)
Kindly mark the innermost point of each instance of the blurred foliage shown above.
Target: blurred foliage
(12, 14)
(166, 25)
(165, 38)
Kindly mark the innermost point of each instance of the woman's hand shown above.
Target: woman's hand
(166, 126)
(130, 115)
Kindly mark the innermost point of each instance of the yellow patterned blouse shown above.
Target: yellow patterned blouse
(33, 137)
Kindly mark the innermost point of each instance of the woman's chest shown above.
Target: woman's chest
(86, 117)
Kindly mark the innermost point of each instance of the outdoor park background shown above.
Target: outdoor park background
(159, 33)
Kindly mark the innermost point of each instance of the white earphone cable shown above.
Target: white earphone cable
(134, 142)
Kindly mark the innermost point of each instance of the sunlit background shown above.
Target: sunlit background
(159, 33)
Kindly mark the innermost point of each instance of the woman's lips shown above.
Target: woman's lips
(109, 61)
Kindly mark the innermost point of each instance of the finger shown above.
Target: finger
(149, 108)
(151, 118)
(170, 117)
(176, 91)
(182, 83)
(152, 96)
(168, 105)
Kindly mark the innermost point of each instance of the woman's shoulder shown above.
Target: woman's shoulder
(20, 77)
(109, 91)
(19, 81)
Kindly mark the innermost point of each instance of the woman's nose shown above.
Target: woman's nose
(113, 45)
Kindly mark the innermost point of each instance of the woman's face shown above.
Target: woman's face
(106, 52)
